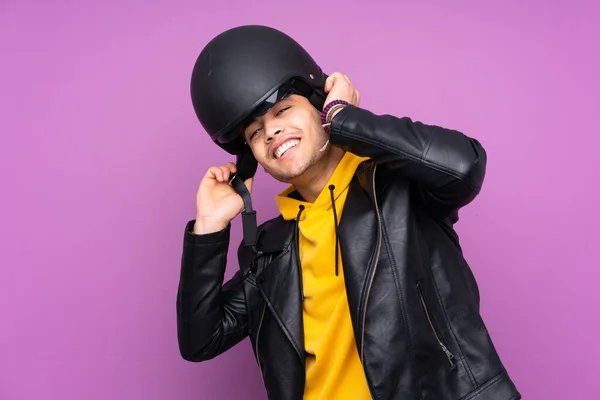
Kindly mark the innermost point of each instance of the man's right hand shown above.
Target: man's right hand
(217, 203)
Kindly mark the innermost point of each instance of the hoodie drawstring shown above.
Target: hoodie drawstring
(331, 187)
(297, 240)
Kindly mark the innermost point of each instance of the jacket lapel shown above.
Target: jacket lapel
(358, 230)
(279, 283)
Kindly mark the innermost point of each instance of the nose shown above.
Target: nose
(271, 131)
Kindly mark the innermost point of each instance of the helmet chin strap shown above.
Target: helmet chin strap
(249, 226)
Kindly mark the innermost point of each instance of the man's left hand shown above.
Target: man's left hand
(339, 87)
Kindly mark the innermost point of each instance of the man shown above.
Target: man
(359, 289)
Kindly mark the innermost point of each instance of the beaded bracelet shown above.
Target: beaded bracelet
(332, 111)
(327, 110)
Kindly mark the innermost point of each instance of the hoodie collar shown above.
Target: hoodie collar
(289, 200)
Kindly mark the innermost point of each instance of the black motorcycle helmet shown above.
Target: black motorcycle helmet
(240, 74)
(243, 71)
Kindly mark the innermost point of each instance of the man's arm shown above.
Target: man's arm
(211, 317)
(448, 166)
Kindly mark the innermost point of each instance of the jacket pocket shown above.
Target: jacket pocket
(436, 334)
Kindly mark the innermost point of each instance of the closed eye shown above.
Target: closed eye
(254, 133)
(282, 110)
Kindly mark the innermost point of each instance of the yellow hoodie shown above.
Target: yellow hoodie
(333, 368)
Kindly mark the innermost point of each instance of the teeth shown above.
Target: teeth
(285, 147)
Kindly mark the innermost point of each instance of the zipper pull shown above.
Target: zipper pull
(448, 354)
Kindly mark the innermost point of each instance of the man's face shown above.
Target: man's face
(287, 139)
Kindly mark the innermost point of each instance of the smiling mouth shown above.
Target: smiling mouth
(285, 147)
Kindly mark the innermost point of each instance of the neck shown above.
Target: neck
(312, 182)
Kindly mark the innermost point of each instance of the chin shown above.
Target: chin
(302, 163)
(288, 175)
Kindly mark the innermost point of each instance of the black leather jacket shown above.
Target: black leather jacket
(413, 300)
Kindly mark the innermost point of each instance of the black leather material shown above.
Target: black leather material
(413, 300)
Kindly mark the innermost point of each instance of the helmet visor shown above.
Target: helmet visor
(291, 87)
(270, 102)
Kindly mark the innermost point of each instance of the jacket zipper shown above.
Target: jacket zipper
(262, 315)
(364, 317)
(444, 348)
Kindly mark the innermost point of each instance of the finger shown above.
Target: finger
(218, 174)
(328, 84)
(348, 79)
(211, 172)
(231, 167)
(225, 172)
(357, 97)
(331, 80)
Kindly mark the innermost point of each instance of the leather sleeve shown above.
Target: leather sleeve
(448, 166)
(211, 317)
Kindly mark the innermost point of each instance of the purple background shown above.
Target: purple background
(101, 156)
